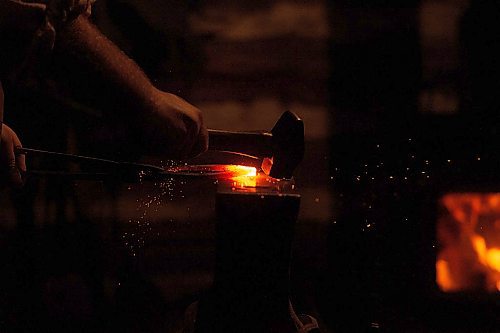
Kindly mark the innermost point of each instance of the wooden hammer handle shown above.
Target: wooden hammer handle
(258, 144)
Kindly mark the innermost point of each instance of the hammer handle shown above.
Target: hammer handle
(258, 144)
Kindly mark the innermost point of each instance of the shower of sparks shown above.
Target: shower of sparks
(140, 227)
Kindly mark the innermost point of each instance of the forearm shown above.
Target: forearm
(100, 75)
(95, 69)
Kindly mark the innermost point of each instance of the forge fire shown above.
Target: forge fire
(468, 234)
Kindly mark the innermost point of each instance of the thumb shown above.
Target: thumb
(11, 164)
(12, 169)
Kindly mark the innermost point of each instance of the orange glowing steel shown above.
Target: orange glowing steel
(469, 238)
(242, 176)
(238, 175)
(241, 171)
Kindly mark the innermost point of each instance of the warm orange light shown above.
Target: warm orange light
(443, 278)
(241, 171)
(238, 175)
(267, 164)
(469, 242)
(493, 259)
(242, 176)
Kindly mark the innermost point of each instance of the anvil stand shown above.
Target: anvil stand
(251, 289)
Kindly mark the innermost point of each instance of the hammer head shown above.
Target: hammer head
(282, 149)
(287, 145)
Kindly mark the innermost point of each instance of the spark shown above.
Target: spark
(142, 225)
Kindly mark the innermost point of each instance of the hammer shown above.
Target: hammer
(283, 145)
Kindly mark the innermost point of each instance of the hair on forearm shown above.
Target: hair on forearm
(97, 71)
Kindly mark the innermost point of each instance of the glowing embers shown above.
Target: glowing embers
(468, 233)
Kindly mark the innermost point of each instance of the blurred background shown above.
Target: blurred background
(394, 96)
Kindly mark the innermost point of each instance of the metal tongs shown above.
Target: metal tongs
(108, 169)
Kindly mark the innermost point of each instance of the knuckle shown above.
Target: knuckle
(11, 164)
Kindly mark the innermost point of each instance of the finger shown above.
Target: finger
(177, 140)
(14, 174)
(21, 162)
(201, 144)
(190, 139)
(196, 136)
(3, 161)
(9, 164)
(20, 158)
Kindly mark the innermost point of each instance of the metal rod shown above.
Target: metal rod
(91, 160)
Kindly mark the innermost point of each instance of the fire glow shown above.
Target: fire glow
(241, 171)
(238, 175)
(468, 232)
(243, 176)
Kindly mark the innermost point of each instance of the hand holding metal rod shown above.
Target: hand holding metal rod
(11, 166)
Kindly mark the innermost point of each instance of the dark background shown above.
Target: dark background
(399, 101)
